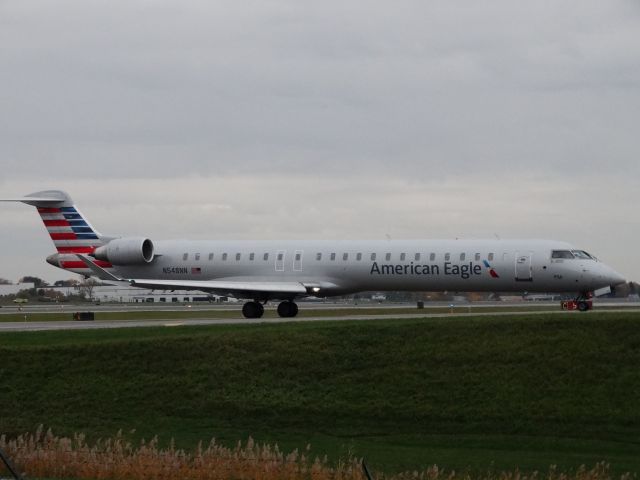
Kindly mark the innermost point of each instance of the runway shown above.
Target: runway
(236, 307)
(234, 319)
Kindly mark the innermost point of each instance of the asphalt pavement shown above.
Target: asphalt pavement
(236, 318)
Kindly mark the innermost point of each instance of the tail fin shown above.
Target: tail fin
(69, 230)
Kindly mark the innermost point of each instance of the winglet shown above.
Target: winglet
(99, 272)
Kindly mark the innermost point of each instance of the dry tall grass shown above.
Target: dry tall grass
(44, 455)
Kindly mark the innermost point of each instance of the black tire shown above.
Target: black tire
(252, 310)
(287, 309)
(283, 309)
(583, 306)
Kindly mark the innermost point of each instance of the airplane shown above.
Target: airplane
(284, 271)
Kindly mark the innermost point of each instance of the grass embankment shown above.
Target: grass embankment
(526, 391)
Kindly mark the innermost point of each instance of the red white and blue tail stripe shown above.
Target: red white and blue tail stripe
(71, 233)
(69, 230)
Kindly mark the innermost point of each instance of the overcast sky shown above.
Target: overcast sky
(334, 119)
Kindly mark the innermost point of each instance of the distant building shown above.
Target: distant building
(127, 294)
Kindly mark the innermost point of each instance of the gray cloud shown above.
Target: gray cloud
(427, 119)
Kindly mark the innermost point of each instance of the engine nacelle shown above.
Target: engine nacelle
(126, 251)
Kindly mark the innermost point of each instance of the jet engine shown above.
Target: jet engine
(126, 251)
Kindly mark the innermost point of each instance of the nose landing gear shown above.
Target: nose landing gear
(584, 305)
(581, 303)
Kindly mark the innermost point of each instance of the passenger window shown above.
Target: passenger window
(280, 257)
(561, 254)
(297, 257)
(477, 257)
(417, 257)
(333, 257)
(359, 257)
(224, 257)
(388, 257)
(265, 257)
(210, 257)
(432, 257)
(373, 257)
(318, 256)
(490, 257)
(237, 257)
(462, 257)
(197, 257)
(185, 256)
(403, 256)
(447, 257)
(252, 256)
(345, 256)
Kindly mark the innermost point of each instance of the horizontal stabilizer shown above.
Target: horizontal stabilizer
(32, 200)
(48, 198)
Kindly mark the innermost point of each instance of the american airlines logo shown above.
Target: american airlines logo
(464, 271)
(492, 272)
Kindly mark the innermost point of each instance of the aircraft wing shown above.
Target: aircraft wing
(240, 289)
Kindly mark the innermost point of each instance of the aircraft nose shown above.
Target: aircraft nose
(613, 277)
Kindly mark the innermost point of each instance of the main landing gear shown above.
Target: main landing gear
(286, 309)
(252, 310)
(584, 302)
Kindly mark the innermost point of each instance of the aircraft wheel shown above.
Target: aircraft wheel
(583, 306)
(287, 309)
(252, 310)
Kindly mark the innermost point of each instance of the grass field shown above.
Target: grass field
(525, 391)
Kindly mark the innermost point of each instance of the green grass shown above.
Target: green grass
(526, 391)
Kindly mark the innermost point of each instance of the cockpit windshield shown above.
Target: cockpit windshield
(582, 255)
(561, 254)
(572, 254)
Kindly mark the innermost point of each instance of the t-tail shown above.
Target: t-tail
(68, 229)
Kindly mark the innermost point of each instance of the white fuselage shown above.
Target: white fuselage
(339, 267)
(285, 270)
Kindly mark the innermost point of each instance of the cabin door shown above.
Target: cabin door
(524, 271)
